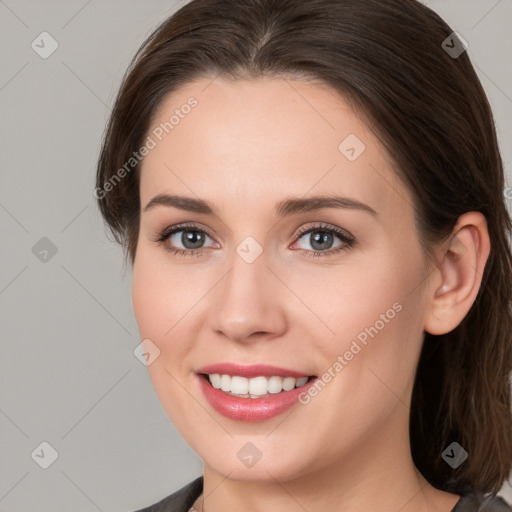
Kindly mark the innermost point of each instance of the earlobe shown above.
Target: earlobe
(454, 284)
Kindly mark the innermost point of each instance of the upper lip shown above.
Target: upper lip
(249, 371)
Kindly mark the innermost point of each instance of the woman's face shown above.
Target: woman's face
(336, 292)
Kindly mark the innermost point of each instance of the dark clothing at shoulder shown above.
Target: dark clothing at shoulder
(180, 501)
(477, 502)
(183, 499)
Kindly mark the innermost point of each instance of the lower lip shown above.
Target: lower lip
(251, 409)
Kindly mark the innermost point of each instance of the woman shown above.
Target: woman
(311, 195)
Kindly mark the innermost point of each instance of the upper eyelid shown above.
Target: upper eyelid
(320, 225)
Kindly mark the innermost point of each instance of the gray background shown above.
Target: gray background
(68, 375)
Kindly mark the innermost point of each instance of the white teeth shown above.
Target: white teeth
(258, 386)
(215, 380)
(289, 383)
(225, 383)
(255, 387)
(275, 385)
(239, 385)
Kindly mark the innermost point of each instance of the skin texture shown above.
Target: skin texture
(246, 146)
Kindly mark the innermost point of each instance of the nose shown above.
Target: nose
(249, 302)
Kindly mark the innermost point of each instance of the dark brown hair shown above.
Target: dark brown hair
(431, 113)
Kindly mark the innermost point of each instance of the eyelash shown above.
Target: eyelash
(348, 241)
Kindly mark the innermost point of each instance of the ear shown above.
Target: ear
(454, 283)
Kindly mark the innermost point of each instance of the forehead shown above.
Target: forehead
(260, 140)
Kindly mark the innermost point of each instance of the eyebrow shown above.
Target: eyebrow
(284, 208)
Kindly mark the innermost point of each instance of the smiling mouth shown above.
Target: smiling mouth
(255, 387)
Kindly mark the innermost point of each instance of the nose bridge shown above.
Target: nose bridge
(248, 301)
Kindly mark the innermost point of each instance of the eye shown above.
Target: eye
(192, 238)
(323, 239)
(189, 235)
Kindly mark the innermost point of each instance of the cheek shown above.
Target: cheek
(374, 314)
(353, 298)
(155, 305)
(166, 300)
(158, 305)
(147, 297)
(160, 295)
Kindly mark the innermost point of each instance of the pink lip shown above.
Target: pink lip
(253, 370)
(250, 409)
